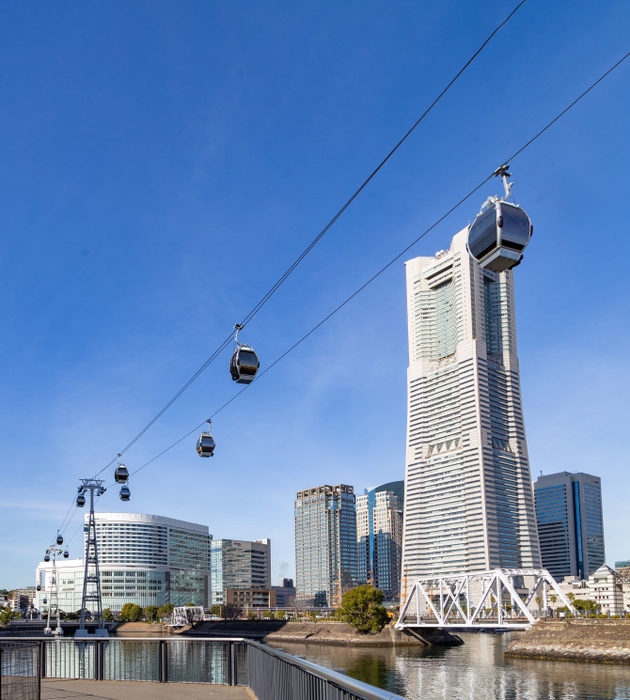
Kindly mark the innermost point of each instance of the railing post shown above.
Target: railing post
(163, 661)
(99, 660)
(39, 671)
(0, 673)
(42, 659)
(234, 663)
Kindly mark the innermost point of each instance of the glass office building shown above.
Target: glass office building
(570, 524)
(379, 537)
(325, 544)
(468, 497)
(239, 564)
(144, 559)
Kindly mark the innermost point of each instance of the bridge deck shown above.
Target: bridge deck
(58, 689)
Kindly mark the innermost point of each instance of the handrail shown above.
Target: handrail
(370, 692)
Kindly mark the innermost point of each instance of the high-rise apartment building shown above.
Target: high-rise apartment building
(144, 559)
(379, 537)
(325, 544)
(468, 499)
(570, 524)
(239, 564)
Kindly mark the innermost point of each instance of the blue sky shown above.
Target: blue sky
(163, 163)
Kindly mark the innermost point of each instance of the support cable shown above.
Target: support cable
(393, 260)
(317, 238)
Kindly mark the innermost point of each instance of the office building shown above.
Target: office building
(570, 524)
(468, 493)
(239, 564)
(325, 544)
(246, 598)
(144, 559)
(285, 594)
(379, 537)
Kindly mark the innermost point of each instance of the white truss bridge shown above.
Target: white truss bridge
(496, 599)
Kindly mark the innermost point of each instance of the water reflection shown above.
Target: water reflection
(473, 671)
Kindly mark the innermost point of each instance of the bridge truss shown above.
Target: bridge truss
(496, 599)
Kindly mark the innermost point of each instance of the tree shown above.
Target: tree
(165, 610)
(362, 608)
(107, 614)
(130, 612)
(6, 614)
(150, 613)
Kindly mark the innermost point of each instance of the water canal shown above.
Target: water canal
(477, 670)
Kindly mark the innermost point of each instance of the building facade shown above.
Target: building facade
(468, 499)
(144, 559)
(285, 594)
(325, 544)
(239, 564)
(379, 537)
(570, 524)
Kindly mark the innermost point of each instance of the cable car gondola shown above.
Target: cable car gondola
(66, 553)
(39, 588)
(501, 231)
(80, 500)
(125, 493)
(206, 444)
(244, 363)
(47, 557)
(121, 474)
(59, 539)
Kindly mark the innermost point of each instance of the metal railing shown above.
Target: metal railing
(19, 670)
(270, 673)
(275, 675)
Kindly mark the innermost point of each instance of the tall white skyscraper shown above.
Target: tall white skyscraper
(468, 493)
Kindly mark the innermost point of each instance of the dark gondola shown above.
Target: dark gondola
(205, 445)
(244, 363)
(66, 554)
(125, 493)
(59, 539)
(121, 474)
(47, 557)
(80, 500)
(501, 231)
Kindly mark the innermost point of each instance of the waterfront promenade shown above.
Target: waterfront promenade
(59, 689)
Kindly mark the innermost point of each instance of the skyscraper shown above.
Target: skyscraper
(325, 544)
(570, 523)
(468, 500)
(379, 537)
(238, 564)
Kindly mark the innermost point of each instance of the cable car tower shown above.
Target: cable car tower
(51, 588)
(91, 575)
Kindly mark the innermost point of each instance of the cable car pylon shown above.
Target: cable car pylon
(91, 576)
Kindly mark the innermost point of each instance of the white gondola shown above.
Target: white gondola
(205, 443)
(244, 363)
(501, 231)
(125, 493)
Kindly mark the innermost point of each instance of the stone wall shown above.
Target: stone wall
(601, 641)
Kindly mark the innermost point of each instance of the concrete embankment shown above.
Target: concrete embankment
(331, 633)
(598, 641)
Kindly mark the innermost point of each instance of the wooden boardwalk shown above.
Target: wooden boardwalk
(59, 689)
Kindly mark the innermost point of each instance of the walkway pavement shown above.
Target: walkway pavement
(56, 689)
